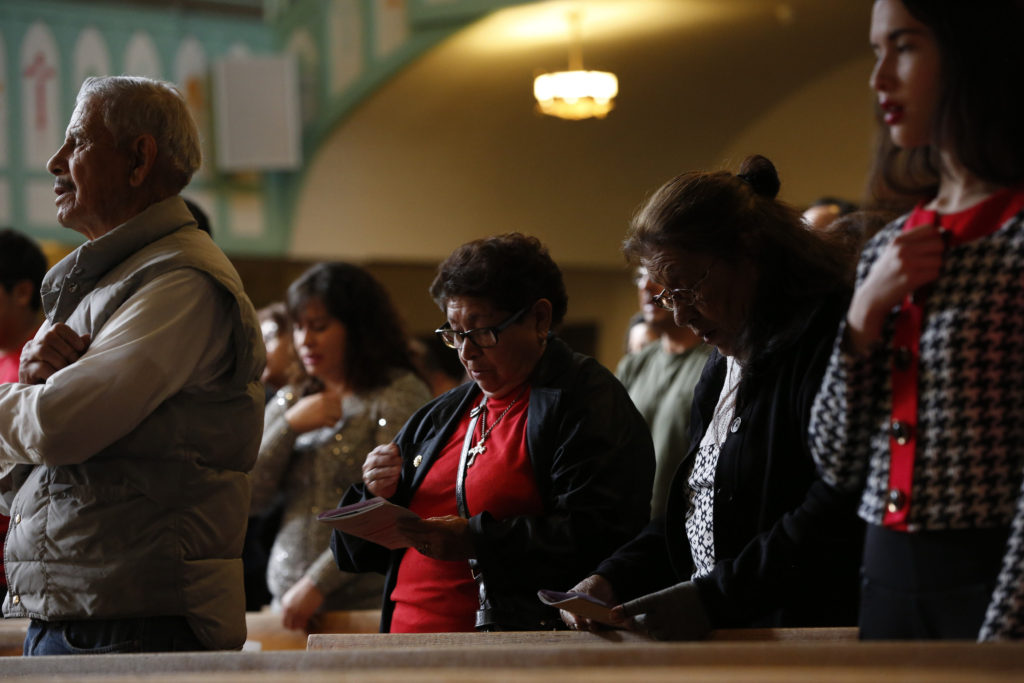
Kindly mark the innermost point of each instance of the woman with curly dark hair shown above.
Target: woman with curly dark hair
(360, 389)
(524, 477)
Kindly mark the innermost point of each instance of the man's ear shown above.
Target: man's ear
(143, 153)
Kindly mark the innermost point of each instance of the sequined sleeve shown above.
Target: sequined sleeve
(275, 451)
(389, 408)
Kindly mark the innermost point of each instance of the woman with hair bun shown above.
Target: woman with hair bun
(751, 535)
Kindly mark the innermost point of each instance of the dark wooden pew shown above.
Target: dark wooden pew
(265, 631)
(354, 641)
(12, 636)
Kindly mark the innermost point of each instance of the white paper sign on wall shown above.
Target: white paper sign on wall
(256, 113)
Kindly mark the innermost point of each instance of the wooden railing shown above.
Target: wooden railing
(266, 632)
(12, 636)
(377, 641)
(565, 656)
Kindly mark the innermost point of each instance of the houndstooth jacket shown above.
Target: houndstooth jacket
(969, 463)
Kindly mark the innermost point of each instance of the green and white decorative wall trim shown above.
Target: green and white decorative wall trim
(48, 48)
(344, 48)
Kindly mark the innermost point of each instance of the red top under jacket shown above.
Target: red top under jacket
(432, 596)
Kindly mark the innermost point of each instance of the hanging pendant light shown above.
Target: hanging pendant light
(576, 94)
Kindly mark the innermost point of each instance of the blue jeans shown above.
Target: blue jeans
(107, 636)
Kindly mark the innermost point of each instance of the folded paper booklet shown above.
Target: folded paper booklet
(372, 519)
(578, 603)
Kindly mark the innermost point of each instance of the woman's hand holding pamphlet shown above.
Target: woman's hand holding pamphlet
(372, 519)
(582, 604)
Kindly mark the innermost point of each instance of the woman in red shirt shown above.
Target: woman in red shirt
(524, 477)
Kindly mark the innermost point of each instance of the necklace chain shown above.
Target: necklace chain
(486, 431)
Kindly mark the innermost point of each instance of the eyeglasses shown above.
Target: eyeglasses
(483, 337)
(671, 299)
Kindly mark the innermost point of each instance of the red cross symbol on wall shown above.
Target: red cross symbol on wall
(41, 72)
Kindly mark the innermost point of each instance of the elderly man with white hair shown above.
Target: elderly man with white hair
(125, 447)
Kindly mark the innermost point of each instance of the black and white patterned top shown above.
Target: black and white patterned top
(700, 528)
(969, 462)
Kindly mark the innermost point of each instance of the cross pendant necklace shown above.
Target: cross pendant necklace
(475, 451)
(479, 448)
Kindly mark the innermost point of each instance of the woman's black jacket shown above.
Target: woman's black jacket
(787, 545)
(594, 465)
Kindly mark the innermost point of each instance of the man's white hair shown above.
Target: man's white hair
(132, 106)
